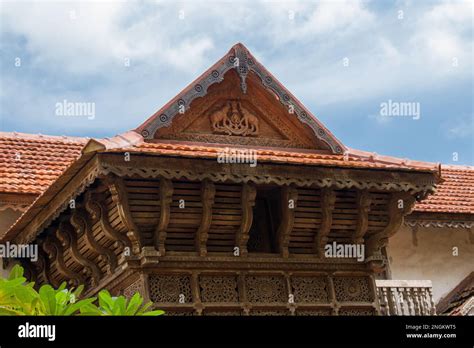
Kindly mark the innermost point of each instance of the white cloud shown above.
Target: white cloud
(86, 37)
(386, 55)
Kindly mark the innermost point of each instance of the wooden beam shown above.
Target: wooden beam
(289, 197)
(82, 224)
(328, 202)
(249, 193)
(363, 208)
(67, 235)
(166, 198)
(53, 248)
(208, 192)
(120, 198)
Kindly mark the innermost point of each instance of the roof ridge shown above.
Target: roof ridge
(39, 136)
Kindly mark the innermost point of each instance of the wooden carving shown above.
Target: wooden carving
(68, 237)
(233, 119)
(119, 196)
(328, 202)
(166, 194)
(289, 198)
(208, 192)
(401, 204)
(248, 201)
(81, 223)
(53, 248)
(97, 209)
(363, 206)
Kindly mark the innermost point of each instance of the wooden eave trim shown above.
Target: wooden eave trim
(389, 180)
(54, 200)
(440, 220)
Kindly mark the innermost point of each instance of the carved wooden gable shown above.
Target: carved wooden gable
(228, 116)
(237, 101)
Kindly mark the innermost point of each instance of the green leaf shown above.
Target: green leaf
(16, 272)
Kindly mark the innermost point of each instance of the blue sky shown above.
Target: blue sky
(342, 59)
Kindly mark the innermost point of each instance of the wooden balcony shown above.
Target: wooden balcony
(405, 297)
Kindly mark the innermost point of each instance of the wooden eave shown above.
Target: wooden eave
(92, 164)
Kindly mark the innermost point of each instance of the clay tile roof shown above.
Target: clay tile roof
(352, 159)
(454, 195)
(30, 163)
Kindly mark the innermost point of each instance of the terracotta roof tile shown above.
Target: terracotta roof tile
(30, 163)
(454, 195)
(353, 158)
(43, 158)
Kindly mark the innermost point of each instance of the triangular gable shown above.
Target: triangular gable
(239, 108)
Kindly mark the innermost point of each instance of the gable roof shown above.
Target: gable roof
(244, 63)
(49, 163)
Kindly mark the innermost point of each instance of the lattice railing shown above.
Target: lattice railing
(405, 297)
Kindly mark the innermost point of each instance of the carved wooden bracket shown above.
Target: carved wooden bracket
(68, 237)
(96, 207)
(119, 196)
(289, 197)
(328, 202)
(363, 208)
(80, 221)
(249, 193)
(53, 248)
(166, 198)
(43, 265)
(401, 204)
(208, 192)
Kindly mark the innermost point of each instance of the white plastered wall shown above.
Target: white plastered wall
(433, 257)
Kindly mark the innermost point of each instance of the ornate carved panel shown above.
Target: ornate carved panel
(314, 312)
(214, 288)
(353, 311)
(227, 116)
(135, 287)
(353, 289)
(268, 312)
(170, 288)
(266, 289)
(233, 119)
(307, 289)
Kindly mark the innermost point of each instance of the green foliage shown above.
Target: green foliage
(18, 297)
